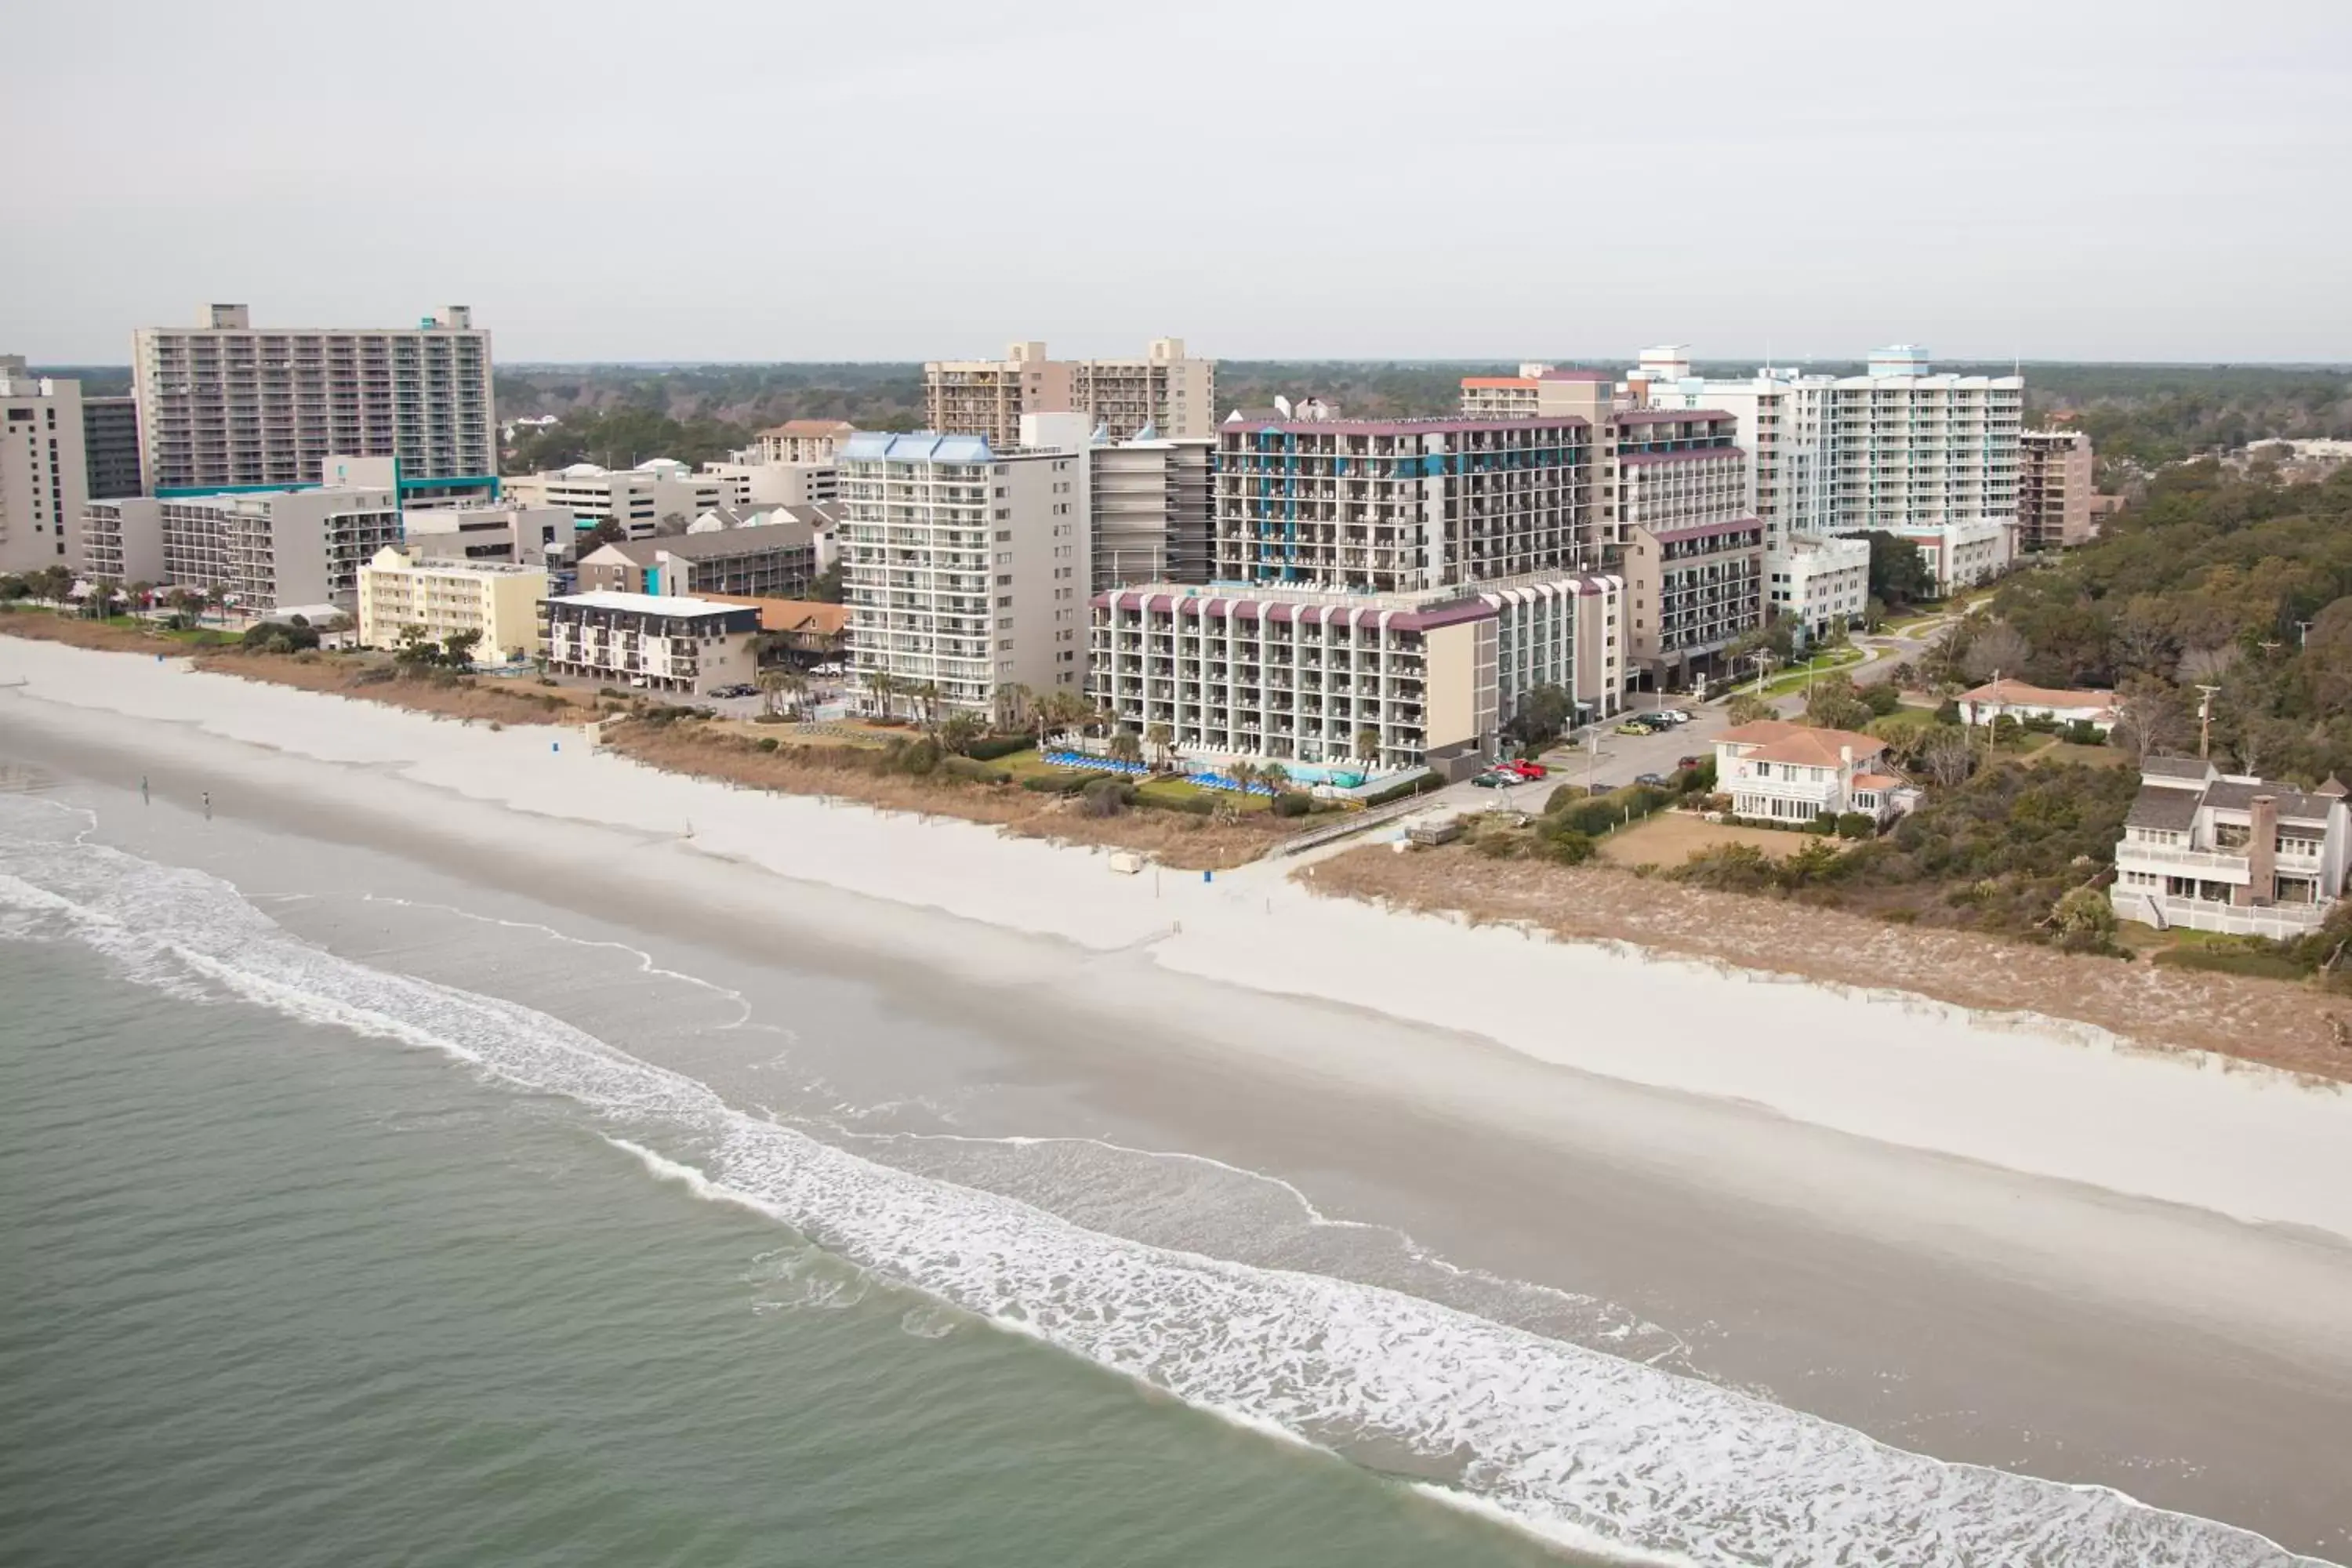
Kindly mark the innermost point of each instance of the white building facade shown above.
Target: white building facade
(683, 645)
(497, 602)
(2205, 850)
(1779, 772)
(658, 492)
(1820, 581)
(968, 568)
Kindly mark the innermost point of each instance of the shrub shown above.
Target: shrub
(1192, 804)
(1063, 783)
(1881, 699)
(1948, 712)
(2083, 732)
(1107, 796)
(611, 692)
(1500, 846)
(967, 768)
(768, 743)
(770, 719)
(1732, 868)
(988, 748)
(1293, 804)
(917, 759)
(2259, 963)
(1857, 825)
(1569, 849)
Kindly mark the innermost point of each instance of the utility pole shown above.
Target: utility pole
(1763, 661)
(2302, 634)
(2205, 720)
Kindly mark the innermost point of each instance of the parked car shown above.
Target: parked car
(1674, 715)
(1525, 769)
(1653, 780)
(1633, 726)
(1685, 763)
(1495, 778)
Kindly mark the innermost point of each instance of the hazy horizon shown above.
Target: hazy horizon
(1303, 183)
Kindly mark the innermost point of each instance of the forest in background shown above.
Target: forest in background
(2141, 416)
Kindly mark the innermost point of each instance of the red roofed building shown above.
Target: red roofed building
(1780, 772)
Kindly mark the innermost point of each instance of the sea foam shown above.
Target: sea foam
(1607, 1455)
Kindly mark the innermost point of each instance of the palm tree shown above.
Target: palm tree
(216, 598)
(142, 595)
(1243, 772)
(927, 707)
(960, 729)
(1060, 712)
(1274, 776)
(884, 687)
(772, 686)
(1124, 746)
(1367, 748)
(1013, 704)
(1163, 741)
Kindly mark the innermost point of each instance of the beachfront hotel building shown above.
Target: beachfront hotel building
(44, 479)
(1334, 680)
(656, 643)
(227, 405)
(399, 589)
(1154, 509)
(2205, 850)
(658, 493)
(1165, 393)
(2054, 490)
(269, 550)
(967, 566)
(1383, 592)
(1962, 554)
(1400, 506)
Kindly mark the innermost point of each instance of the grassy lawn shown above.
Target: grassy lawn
(1793, 678)
(1902, 722)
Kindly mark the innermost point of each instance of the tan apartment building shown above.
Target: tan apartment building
(801, 441)
(1690, 590)
(1165, 393)
(399, 589)
(230, 404)
(44, 476)
(2055, 472)
(658, 492)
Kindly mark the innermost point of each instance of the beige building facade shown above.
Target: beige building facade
(681, 646)
(399, 589)
(1164, 392)
(2055, 484)
(44, 474)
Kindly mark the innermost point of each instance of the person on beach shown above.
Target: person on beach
(208, 805)
(142, 788)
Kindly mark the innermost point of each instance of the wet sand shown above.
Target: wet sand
(1944, 1304)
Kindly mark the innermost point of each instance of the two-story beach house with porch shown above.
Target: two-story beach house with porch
(2222, 852)
(1794, 773)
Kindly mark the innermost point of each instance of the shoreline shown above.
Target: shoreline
(1483, 1090)
(2018, 1095)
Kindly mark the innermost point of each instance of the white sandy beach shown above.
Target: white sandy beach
(2043, 1098)
(1862, 1184)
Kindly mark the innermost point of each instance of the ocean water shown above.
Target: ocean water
(321, 1257)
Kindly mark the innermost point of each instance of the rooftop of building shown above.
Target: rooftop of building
(1779, 741)
(748, 538)
(813, 617)
(811, 427)
(2017, 694)
(2173, 789)
(647, 604)
(403, 560)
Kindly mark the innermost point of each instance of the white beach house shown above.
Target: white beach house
(1795, 773)
(2222, 852)
(2015, 699)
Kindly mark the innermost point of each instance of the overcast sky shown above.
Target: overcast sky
(768, 179)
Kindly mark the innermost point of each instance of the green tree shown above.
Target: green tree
(1163, 741)
(1367, 748)
(1124, 746)
(1749, 709)
(1899, 576)
(1833, 704)
(825, 587)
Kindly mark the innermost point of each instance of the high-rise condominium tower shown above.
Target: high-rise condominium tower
(227, 405)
